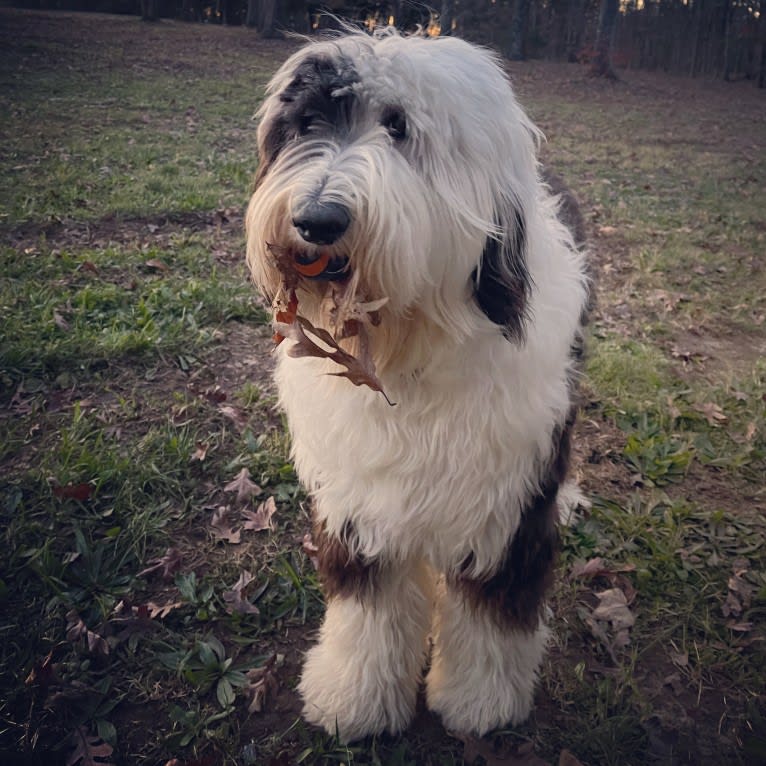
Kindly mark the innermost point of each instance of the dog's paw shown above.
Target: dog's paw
(347, 697)
(483, 675)
(479, 707)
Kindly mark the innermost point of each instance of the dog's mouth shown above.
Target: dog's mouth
(322, 265)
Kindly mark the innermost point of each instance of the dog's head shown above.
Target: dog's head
(404, 168)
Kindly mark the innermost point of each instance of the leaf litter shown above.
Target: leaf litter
(263, 683)
(235, 598)
(89, 750)
(260, 519)
(243, 485)
(170, 563)
(77, 629)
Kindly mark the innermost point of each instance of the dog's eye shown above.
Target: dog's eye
(307, 121)
(395, 123)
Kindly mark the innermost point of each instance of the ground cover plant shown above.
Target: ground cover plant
(156, 588)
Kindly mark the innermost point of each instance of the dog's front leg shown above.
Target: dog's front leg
(490, 631)
(483, 672)
(362, 676)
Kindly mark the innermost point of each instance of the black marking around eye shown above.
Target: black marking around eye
(395, 122)
(320, 93)
(319, 96)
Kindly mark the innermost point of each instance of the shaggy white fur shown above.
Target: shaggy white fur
(419, 155)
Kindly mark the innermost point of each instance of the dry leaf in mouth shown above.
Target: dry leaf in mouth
(284, 312)
(359, 370)
(285, 263)
(349, 318)
(348, 314)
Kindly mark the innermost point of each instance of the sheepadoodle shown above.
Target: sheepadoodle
(428, 308)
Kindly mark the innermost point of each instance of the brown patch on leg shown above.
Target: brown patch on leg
(341, 572)
(515, 593)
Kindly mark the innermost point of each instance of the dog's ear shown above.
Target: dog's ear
(271, 138)
(502, 280)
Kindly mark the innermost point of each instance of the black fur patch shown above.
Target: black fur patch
(318, 98)
(340, 572)
(514, 595)
(569, 208)
(503, 282)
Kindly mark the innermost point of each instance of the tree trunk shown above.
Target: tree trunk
(445, 18)
(574, 30)
(149, 10)
(726, 43)
(602, 61)
(518, 39)
(762, 40)
(396, 12)
(266, 18)
(251, 18)
(696, 32)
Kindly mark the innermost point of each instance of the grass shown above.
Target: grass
(135, 403)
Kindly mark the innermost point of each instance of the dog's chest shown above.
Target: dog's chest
(456, 450)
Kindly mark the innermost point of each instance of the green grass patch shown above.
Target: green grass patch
(71, 314)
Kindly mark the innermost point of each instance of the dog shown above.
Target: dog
(398, 180)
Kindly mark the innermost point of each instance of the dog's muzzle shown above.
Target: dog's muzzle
(322, 223)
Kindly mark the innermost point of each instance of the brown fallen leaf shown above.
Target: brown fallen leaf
(131, 620)
(260, 519)
(243, 485)
(235, 599)
(712, 413)
(591, 568)
(42, 673)
(598, 631)
(613, 607)
(739, 627)
(285, 310)
(155, 264)
(740, 592)
(310, 549)
(87, 749)
(59, 321)
(215, 394)
(360, 371)
(170, 563)
(200, 452)
(596, 568)
(349, 317)
(79, 492)
(262, 682)
(88, 266)
(236, 415)
(348, 313)
(222, 529)
(77, 629)
(162, 610)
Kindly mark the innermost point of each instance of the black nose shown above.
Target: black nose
(322, 223)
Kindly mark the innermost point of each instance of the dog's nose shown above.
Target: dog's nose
(322, 223)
